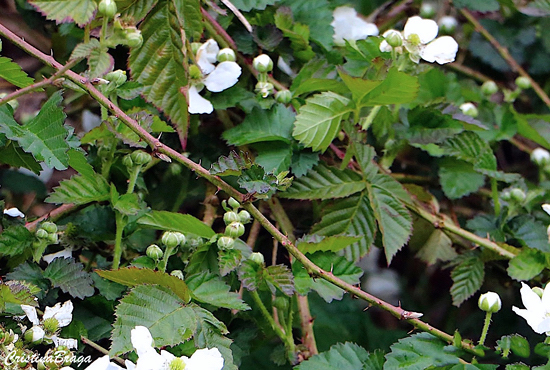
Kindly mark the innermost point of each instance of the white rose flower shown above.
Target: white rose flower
(420, 40)
(537, 309)
(215, 78)
(349, 26)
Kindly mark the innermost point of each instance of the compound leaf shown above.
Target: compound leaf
(70, 276)
(467, 279)
(61, 11)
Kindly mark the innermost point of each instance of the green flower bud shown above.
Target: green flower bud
(427, 10)
(262, 63)
(107, 8)
(447, 24)
(140, 158)
(117, 77)
(257, 257)
(230, 217)
(127, 161)
(264, 89)
(244, 217)
(175, 169)
(53, 238)
(234, 229)
(154, 252)
(523, 83)
(172, 239)
(34, 335)
(518, 195)
(177, 273)
(50, 227)
(195, 47)
(133, 37)
(42, 234)
(281, 303)
(540, 156)
(225, 242)
(283, 96)
(393, 38)
(469, 109)
(195, 72)
(226, 55)
(489, 302)
(40, 365)
(233, 203)
(489, 88)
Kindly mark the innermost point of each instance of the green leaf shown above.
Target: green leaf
(302, 162)
(418, 352)
(526, 265)
(170, 323)
(43, 136)
(135, 10)
(70, 276)
(279, 277)
(248, 5)
(208, 335)
(12, 154)
(229, 260)
(437, 247)
(13, 73)
(467, 279)
(30, 272)
(100, 62)
(326, 244)
(352, 216)
(429, 125)
(158, 63)
(210, 289)
(515, 343)
(127, 204)
(83, 50)
(131, 276)
(15, 240)
(534, 127)
(459, 178)
(263, 125)
(344, 356)
(81, 189)
(529, 232)
(274, 156)
(61, 11)
(172, 221)
(250, 275)
(18, 293)
(108, 289)
(478, 6)
(319, 119)
(323, 182)
(297, 33)
(232, 165)
(362, 56)
(339, 266)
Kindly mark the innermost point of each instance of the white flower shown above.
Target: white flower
(489, 302)
(37, 333)
(540, 156)
(103, 363)
(216, 78)
(537, 309)
(63, 314)
(150, 359)
(420, 40)
(546, 208)
(14, 212)
(69, 342)
(54, 318)
(349, 26)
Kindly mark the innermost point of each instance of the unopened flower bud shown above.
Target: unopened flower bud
(393, 38)
(244, 217)
(234, 229)
(53, 238)
(264, 89)
(257, 257)
(233, 203)
(469, 109)
(34, 335)
(281, 303)
(117, 77)
(107, 8)
(226, 55)
(283, 96)
(263, 63)
(447, 24)
(540, 157)
(127, 161)
(523, 83)
(489, 88)
(427, 10)
(195, 47)
(225, 242)
(42, 234)
(489, 302)
(177, 273)
(50, 227)
(172, 239)
(518, 195)
(230, 217)
(133, 38)
(154, 252)
(140, 158)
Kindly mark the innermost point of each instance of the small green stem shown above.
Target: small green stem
(120, 224)
(494, 195)
(485, 328)
(164, 262)
(134, 173)
(104, 25)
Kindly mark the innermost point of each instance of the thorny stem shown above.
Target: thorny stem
(485, 329)
(97, 347)
(120, 224)
(52, 215)
(505, 54)
(158, 147)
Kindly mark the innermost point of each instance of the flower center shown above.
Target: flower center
(414, 39)
(51, 325)
(176, 364)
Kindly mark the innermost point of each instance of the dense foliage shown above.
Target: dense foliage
(286, 184)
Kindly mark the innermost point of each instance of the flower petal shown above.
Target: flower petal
(441, 50)
(196, 103)
(30, 311)
(141, 340)
(532, 320)
(65, 253)
(225, 75)
(204, 359)
(206, 56)
(530, 299)
(63, 314)
(14, 212)
(37, 333)
(426, 29)
(68, 342)
(103, 363)
(349, 26)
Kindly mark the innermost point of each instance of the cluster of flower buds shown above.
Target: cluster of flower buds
(137, 158)
(7, 337)
(263, 64)
(522, 83)
(47, 232)
(516, 195)
(171, 241)
(234, 223)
